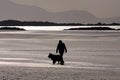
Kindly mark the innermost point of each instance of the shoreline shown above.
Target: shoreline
(56, 28)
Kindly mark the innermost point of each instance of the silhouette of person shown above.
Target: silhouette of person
(61, 48)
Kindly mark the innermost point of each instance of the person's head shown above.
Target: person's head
(60, 41)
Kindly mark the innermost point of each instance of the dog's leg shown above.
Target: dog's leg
(54, 62)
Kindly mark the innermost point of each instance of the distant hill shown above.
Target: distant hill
(73, 17)
(12, 29)
(39, 23)
(110, 20)
(92, 28)
(13, 11)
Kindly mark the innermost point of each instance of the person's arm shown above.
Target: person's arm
(57, 49)
(65, 48)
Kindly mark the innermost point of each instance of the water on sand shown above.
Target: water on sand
(86, 49)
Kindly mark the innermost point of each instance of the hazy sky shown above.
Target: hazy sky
(100, 8)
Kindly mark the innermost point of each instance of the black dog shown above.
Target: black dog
(55, 58)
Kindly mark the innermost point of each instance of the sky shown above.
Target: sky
(100, 8)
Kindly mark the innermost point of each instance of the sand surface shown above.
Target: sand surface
(92, 55)
(22, 73)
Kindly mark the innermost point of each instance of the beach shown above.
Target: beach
(92, 55)
(22, 73)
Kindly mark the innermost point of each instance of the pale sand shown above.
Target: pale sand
(92, 55)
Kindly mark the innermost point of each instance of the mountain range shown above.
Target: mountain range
(13, 11)
(110, 20)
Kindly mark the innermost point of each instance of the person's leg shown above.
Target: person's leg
(62, 61)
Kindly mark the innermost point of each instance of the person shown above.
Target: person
(61, 48)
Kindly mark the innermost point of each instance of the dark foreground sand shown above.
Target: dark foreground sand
(22, 73)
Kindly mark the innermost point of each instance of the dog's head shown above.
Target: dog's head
(50, 55)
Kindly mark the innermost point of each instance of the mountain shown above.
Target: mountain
(13, 11)
(74, 17)
(110, 20)
(10, 10)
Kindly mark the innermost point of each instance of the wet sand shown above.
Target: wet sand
(92, 55)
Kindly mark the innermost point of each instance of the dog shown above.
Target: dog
(56, 58)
